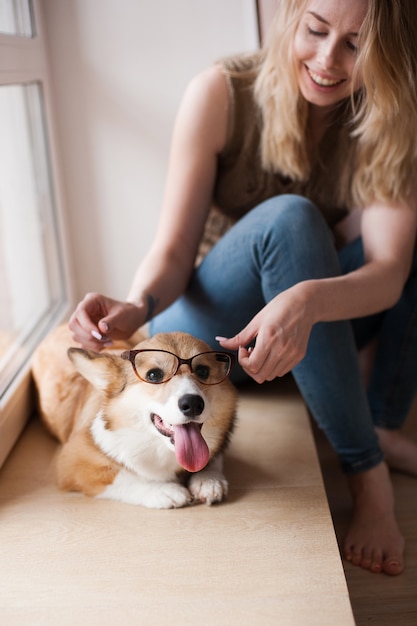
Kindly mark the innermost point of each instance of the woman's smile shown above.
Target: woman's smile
(325, 50)
(323, 81)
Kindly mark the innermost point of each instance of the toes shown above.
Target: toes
(353, 556)
(353, 553)
(356, 558)
(375, 562)
(377, 558)
(376, 567)
(393, 567)
(364, 559)
(366, 563)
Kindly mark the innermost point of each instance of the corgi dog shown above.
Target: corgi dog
(146, 424)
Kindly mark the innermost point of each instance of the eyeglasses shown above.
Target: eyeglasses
(159, 366)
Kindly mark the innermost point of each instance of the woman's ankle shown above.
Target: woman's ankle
(400, 452)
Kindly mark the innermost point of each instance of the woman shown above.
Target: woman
(307, 150)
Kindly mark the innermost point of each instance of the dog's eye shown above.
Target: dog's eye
(202, 371)
(155, 375)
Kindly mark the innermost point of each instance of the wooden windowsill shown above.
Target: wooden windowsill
(268, 555)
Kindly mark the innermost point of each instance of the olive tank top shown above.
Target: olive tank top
(242, 183)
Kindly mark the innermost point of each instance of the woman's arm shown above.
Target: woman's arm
(199, 135)
(388, 236)
(282, 328)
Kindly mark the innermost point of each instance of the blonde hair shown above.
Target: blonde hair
(383, 113)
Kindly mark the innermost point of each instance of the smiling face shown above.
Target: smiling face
(325, 49)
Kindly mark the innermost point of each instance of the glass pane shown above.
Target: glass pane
(31, 275)
(16, 17)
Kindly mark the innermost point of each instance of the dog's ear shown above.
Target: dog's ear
(104, 371)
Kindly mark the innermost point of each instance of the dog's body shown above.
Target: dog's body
(129, 440)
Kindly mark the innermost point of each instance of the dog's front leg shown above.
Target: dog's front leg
(132, 489)
(209, 485)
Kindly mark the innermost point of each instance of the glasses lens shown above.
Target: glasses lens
(211, 367)
(155, 366)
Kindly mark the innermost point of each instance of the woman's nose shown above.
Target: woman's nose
(329, 54)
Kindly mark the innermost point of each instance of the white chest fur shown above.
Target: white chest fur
(137, 449)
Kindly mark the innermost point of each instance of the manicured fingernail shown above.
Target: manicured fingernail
(218, 338)
(97, 335)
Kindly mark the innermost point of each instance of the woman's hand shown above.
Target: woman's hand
(99, 320)
(281, 329)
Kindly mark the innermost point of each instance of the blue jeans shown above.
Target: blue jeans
(281, 242)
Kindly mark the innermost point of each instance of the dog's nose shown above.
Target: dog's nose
(191, 405)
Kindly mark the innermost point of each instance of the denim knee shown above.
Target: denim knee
(291, 216)
(293, 239)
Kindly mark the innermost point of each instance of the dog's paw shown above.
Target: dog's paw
(169, 496)
(208, 487)
(132, 489)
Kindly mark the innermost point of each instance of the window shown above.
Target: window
(34, 286)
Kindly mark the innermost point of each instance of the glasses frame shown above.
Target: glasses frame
(130, 355)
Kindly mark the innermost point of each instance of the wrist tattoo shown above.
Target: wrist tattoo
(152, 304)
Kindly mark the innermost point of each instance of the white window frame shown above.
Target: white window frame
(24, 60)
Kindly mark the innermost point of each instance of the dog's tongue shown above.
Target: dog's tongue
(190, 448)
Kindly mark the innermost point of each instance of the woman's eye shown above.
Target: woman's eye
(155, 375)
(316, 33)
(352, 46)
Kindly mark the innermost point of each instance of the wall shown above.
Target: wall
(266, 11)
(119, 68)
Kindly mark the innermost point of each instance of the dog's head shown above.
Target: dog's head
(171, 391)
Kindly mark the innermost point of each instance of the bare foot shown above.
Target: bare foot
(400, 452)
(374, 541)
